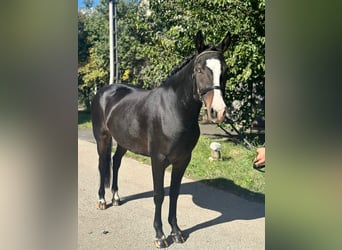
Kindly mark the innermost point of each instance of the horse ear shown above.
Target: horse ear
(199, 42)
(226, 42)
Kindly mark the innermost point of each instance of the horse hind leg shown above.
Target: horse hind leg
(104, 148)
(119, 153)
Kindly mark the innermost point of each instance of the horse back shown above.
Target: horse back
(104, 102)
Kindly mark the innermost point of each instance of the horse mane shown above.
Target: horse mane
(179, 67)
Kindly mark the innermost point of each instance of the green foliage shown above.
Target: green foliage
(177, 24)
(93, 47)
(83, 45)
(154, 39)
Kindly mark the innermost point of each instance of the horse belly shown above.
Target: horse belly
(133, 144)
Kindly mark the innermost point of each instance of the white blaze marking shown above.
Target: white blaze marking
(215, 66)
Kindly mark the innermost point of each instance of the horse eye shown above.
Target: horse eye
(198, 71)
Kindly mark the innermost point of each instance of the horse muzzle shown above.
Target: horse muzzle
(217, 116)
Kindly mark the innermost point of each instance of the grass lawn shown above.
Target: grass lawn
(84, 120)
(234, 172)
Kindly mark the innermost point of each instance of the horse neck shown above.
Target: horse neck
(182, 83)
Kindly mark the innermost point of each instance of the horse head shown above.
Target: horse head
(209, 74)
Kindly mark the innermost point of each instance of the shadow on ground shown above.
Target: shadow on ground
(230, 207)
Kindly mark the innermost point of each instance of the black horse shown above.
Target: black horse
(161, 123)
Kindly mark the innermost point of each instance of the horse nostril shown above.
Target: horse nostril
(224, 112)
(213, 113)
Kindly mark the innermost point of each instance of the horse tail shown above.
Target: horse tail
(103, 139)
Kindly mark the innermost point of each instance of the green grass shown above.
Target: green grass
(84, 119)
(234, 172)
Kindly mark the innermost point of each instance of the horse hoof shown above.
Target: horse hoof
(116, 202)
(161, 243)
(178, 237)
(101, 205)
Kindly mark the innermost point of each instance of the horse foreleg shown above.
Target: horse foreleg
(119, 153)
(158, 171)
(178, 170)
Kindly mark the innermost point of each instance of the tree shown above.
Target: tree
(93, 67)
(174, 24)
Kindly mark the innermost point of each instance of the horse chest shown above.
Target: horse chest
(179, 142)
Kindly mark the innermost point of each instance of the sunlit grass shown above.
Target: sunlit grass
(235, 165)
